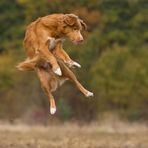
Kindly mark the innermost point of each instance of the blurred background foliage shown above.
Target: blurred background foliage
(113, 58)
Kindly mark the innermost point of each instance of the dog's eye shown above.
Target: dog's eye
(75, 28)
(64, 27)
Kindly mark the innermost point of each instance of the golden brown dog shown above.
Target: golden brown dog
(43, 44)
(42, 34)
(49, 80)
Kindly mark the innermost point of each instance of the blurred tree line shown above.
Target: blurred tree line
(113, 58)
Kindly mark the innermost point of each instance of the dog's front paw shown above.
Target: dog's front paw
(58, 71)
(89, 94)
(52, 110)
(73, 64)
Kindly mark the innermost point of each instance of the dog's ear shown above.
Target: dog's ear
(84, 26)
(70, 19)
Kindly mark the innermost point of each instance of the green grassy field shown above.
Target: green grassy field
(74, 136)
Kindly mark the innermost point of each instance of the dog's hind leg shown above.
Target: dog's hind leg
(44, 80)
(69, 74)
(52, 104)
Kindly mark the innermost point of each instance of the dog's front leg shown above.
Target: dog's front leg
(59, 52)
(49, 57)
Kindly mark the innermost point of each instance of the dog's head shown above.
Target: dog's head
(72, 26)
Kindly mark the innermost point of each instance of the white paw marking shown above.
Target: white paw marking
(76, 64)
(89, 94)
(73, 64)
(52, 110)
(58, 71)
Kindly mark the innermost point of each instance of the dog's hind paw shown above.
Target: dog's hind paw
(58, 71)
(52, 110)
(89, 94)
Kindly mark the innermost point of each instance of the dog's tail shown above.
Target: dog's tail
(26, 66)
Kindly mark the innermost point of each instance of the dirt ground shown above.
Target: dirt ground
(74, 136)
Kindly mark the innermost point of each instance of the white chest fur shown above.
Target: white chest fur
(53, 42)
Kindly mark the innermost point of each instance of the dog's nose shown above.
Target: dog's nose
(81, 40)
